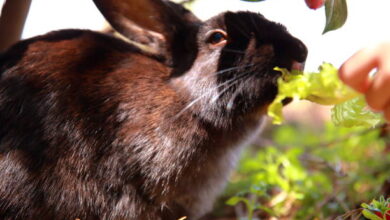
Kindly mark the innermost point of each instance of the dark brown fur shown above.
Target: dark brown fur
(93, 127)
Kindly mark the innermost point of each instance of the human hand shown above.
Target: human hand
(355, 72)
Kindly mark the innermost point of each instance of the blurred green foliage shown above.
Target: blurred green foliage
(306, 173)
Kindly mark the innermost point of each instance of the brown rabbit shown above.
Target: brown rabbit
(95, 127)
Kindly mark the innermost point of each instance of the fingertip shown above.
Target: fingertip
(372, 101)
(378, 93)
(364, 86)
(348, 77)
(344, 76)
(355, 71)
(375, 102)
(386, 113)
(341, 73)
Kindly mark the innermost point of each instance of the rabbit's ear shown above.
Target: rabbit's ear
(155, 23)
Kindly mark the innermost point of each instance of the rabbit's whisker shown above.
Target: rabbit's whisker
(217, 96)
(255, 25)
(226, 70)
(230, 104)
(239, 26)
(232, 81)
(207, 76)
(234, 51)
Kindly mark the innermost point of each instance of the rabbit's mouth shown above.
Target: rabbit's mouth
(294, 66)
(251, 81)
(300, 66)
(291, 65)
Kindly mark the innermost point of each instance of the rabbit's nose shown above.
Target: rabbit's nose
(298, 65)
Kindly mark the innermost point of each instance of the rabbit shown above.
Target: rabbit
(144, 126)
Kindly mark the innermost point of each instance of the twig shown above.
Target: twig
(353, 214)
(186, 2)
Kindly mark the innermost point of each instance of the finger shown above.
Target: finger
(355, 71)
(386, 113)
(378, 94)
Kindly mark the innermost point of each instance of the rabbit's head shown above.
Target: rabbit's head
(223, 65)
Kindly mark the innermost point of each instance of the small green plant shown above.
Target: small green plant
(250, 199)
(377, 209)
(306, 173)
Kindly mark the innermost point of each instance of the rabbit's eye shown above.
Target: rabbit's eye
(217, 38)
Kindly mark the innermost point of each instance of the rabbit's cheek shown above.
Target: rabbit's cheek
(201, 78)
(263, 59)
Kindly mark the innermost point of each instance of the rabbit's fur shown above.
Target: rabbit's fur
(94, 127)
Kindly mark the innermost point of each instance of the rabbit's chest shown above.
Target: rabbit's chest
(208, 176)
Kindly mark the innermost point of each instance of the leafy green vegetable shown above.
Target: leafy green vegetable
(323, 87)
(354, 112)
(336, 13)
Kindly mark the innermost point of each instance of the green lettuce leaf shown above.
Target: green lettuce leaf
(354, 112)
(323, 87)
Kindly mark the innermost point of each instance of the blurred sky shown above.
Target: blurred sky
(368, 22)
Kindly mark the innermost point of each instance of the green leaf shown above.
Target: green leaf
(365, 205)
(323, 87)
(235, 199)
(370, 215)
(336, 13)
(252, 0)
(354, 112)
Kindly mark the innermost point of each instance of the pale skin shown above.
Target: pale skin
(355, 73)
